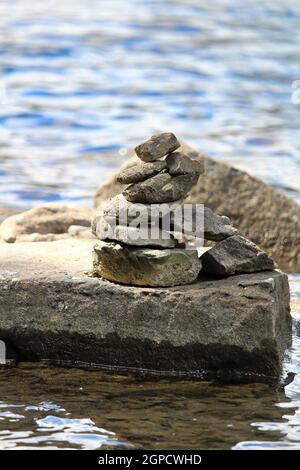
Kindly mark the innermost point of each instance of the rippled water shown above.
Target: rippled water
(80, 82)
(53, 408)
(84, 80)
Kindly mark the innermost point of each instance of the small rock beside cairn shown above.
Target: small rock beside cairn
(163, 179)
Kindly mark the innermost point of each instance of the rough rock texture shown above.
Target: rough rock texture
(160, 188)
(260, 212)
(141, 172)
(235, 255)
(157, 146)
(144, 266)
(212, 226)
(134, 236)
(50, 309)
(180, 164)
(207, 224)
(143, 213)
(35, 224)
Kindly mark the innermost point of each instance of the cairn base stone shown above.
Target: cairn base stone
(145, 266)
(51, 309)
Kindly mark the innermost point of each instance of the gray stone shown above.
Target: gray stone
(161, 188)
(217, 227)
(145, 266)
(134, 236)
(180, 164)
(235, 255)
(157, 146)
(50, 309)
(49, 220)
(141, 172)
(205, 224)
(261, 213)
(210, 226)
(146, 214)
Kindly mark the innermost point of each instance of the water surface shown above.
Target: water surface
(82, 81)
(85, 80)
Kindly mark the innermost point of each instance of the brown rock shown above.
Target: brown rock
(43, 220)
(180, 164)
(141, 172)
(157, 147)
(145, 266)
(160, 188)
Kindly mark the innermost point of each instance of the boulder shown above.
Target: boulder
(261, 213)
(144, 266)
(235, 255)
(157, 147)
(133, 235)
(141, 172)
(43, 221)
(50, 309)
(180, 164)
(160, 188)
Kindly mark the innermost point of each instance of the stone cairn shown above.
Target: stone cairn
(153, 256)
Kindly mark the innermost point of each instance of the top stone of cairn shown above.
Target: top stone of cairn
(157, 147)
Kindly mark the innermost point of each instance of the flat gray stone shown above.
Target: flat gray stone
(157, 147)
(235, 255)
(180, 164)
(202, 222)
(125, 212)
(134, 236)
(50, 309)
(146, 266)
(161, 188)
(210, 226)
(141, 172)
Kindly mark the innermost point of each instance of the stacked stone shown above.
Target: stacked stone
(165, 176)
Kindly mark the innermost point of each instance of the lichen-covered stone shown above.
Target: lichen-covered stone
(235, 255)
(141, 172)
(145, 266)
(157, 146)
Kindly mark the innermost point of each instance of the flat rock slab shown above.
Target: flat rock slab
(50, 309)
